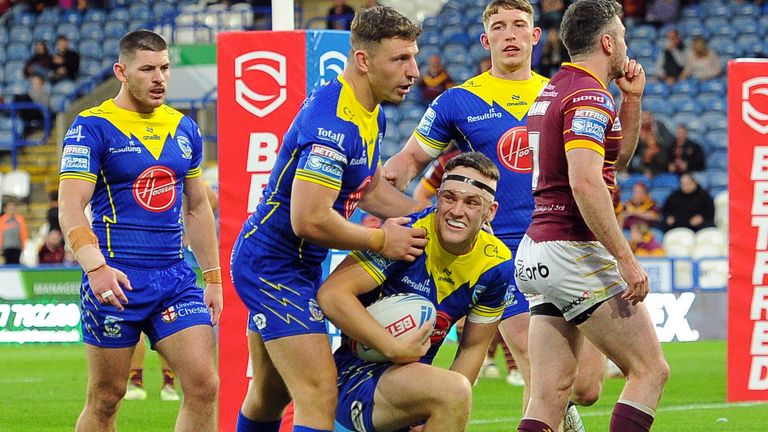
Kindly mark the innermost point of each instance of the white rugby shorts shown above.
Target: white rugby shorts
(572, 275)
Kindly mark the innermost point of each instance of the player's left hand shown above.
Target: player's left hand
(214, 299)
(633, 81)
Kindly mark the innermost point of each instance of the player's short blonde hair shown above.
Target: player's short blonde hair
(373, 25)
(476, 161)
(494, 6)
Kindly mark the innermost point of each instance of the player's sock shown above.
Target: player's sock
(168, 377)
(297, 428)
(136, 377)
(244, 424)
(531, 425)
(631, 416)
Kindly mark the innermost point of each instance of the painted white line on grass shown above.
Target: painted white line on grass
(21, 380)
(588, 413)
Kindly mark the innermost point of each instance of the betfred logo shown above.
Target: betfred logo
(513, 150)
(401, 326)
(754, 104)
(155, 189)
(260, 82)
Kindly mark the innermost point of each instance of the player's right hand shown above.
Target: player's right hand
(412, 346)
(636, 278)
(107, 279)
(402, 242)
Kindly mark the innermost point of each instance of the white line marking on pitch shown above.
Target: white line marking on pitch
(589, 413)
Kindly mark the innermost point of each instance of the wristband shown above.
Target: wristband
(378, 239)
(85, 245)
(212, 276)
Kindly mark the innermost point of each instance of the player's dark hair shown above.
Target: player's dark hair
(494, 5)
(584, 22)
(141, 40)
(373, 25)
(474, 160)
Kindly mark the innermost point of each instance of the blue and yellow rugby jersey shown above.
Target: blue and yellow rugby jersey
(137, 162)
(476, 284)
(487, 114)
(334, 142)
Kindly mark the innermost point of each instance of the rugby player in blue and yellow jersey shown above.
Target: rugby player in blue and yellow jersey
(131, 158)
(464, 271)
(327, 165)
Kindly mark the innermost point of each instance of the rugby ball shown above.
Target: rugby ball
(399, 314)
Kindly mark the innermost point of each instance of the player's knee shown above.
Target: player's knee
(455, 393)
(202, 389)
(105, 398)
(587, 395)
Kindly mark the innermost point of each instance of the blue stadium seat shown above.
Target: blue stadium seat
(114, 29)
(455, 53)
(628, 183)
(90, 67)
(715, 10)
(431, 23)
(749, 9)
(716, 86)
(406, 127)
(643, 31)
(425, 52)
(45, 32)
(453, 5)
(92, 31)
(458, 38)
(140, 11)
(477, 53)
(657, 105)
(3, 58)
(715, 121)
(13, 71)
(430, 38)
(718, 160)
(26, 19)
(724, 46)
(762, 22)
(111, 48)
(411, 111)
(15, 87)
(713, 24)
(392, 113)
(687, 87)
(3, 35)
(666, 180)
(95, 16)
(660, 194)
(119, 14)
(71, 16)
(160, 10)
(71, 31)
(717, 178)
(692, 27)
(718, 139)
(683, 103)
(460, 72)
(63, 88)
(641, 48)
(691, 11)
(656, 88)
(746, 25)
(48, 16)
(91, 49)
(452, 19)
(17, 51)
(701, 178)
(749, 45)
(712, 102)
(21, 33)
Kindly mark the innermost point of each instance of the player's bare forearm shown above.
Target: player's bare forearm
(594, 200)
(629, 115)
(383, 200)
(401, 168)
(200, 225)
(472, 348)
(74, 196)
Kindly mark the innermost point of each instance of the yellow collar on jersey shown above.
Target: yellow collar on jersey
(451, 272)
(150, 129)
(350, 109)
(513, 96)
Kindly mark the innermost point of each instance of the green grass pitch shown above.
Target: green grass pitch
(42, 388)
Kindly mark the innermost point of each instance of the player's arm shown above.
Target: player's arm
(74, 196)
(401, 168)
(313, 218)
(473, 347)
(631, 86)
(383, 200)
(338, 298)
(585, 173)
(201, 234)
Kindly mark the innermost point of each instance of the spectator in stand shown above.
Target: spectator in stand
(553, 53)
(701, 62)
(435, 80)
(671, 62)
(685, 155)
(40, 63)
(634, 10)
(4, 6)
(66, 62)
(39, 91)
(650, 159)
(13, 233)
(52, 217)
(340, 16)
(551, 14)
(642, 241)
(650, 125)
(52, 251)
(690, 206)
(640, 207)
(663, 12)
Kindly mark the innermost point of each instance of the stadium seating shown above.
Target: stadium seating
(721, 210)
(679, 242)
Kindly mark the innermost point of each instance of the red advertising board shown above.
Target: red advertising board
(748, 192)
(261, 84)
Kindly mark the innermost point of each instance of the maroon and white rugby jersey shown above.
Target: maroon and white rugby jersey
(575, 110)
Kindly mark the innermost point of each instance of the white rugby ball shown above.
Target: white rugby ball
(399, 314)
